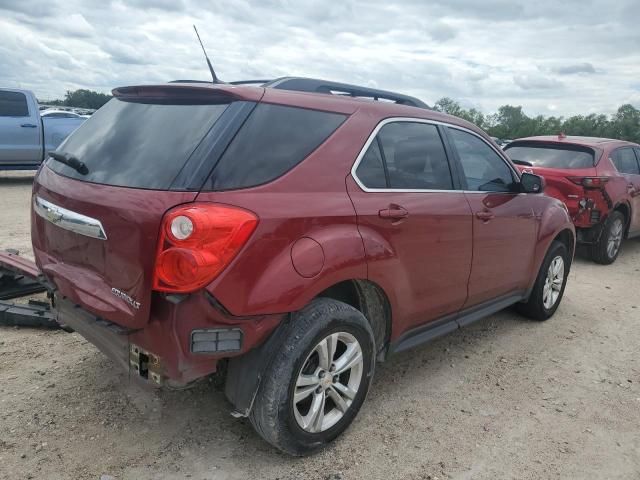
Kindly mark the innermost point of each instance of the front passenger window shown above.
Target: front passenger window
(483, 168)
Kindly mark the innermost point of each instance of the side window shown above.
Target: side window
(370, 171)
(625, 161)
(483, 168)
(273, 140)
(415, 157)
(13, 104)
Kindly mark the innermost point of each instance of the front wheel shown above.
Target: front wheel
(318, 380)
(550, 284)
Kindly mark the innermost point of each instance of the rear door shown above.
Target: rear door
(20, 129)
(627, 164)
(415, 223)
(95, 234)
(504, 222)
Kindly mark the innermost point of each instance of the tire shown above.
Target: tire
(293, 427)
(606, 250)
(545, 297)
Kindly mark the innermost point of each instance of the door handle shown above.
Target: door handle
(28, 125)
(394, 212)
(485, 215)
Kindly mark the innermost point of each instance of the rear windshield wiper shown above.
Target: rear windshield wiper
(70, 161)
(522, 162)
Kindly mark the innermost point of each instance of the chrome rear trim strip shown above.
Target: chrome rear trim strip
(63, 218)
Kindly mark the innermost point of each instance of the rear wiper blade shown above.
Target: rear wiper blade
(70, 161)
(522, 162)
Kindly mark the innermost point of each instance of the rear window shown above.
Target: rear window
(13, 104)
(551, 156)
(138, 145)
(273, 140)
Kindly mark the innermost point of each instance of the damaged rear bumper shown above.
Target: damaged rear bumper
(183, 340)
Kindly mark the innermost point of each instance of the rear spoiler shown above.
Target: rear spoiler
(187, 93)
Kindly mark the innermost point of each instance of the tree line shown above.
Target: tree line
(511, 122)
(80, 99)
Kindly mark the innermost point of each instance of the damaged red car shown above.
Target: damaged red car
(289, 234)
(597, 178)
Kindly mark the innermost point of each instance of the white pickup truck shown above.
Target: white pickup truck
(25, 136)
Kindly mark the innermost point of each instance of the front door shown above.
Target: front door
(504, 222)
(416, 225)
(19, 130)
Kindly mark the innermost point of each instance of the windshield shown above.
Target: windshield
(551, 156)
(137, 144)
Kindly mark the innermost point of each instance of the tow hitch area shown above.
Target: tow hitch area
(20, 277)
(146, 364)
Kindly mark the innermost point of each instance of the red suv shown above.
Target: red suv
(288, 238)
(597, 178)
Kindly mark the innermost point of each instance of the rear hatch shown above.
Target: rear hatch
(95, 233)
(560, 165)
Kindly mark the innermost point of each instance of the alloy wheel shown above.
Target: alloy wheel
(553, 282)
(615, 238)
(328, 382)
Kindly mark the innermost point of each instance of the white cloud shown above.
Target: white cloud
(548, 57)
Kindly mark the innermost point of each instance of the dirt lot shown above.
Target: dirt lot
(505, 398)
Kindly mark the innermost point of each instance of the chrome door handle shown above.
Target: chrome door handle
(485, 216)
(394, 212)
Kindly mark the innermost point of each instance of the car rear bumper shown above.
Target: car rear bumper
(182, 341)
(174, 348)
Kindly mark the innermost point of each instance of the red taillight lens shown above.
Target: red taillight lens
(197, 242)
(590, 182)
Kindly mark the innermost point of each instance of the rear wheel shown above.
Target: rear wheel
(550, 284)
(319, 379)
(606, 250)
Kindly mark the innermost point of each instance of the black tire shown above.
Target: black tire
(273, 415)
(599, 251)
(535, 307)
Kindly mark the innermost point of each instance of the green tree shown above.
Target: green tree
(626, 123)
(85, 99)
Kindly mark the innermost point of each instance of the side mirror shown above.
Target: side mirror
(531, 183)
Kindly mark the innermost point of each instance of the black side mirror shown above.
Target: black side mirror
(531, 183)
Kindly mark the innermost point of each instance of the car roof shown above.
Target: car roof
(344, 104)
(577, 140)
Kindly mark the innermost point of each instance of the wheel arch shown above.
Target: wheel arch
(625, 209)
(371, 300)
(566, 237)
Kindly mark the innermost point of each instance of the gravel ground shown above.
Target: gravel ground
(504, 398)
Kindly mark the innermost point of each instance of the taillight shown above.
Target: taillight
(197, 242)
(590, 182)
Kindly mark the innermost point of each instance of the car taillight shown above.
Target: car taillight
(197, 242)
(590, 182)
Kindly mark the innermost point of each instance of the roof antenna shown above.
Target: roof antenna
(213, 73)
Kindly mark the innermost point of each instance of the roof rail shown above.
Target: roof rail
(323, 86)
(313, 85)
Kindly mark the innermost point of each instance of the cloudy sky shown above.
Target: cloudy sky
(551, 57)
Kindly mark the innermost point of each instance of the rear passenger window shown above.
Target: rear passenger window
(625, 161)
(414, 156)
(370, 172)
(13, 104)
(273, 140)
(483, 168)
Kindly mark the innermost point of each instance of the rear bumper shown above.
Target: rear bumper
(165, 351)
(183, 339)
